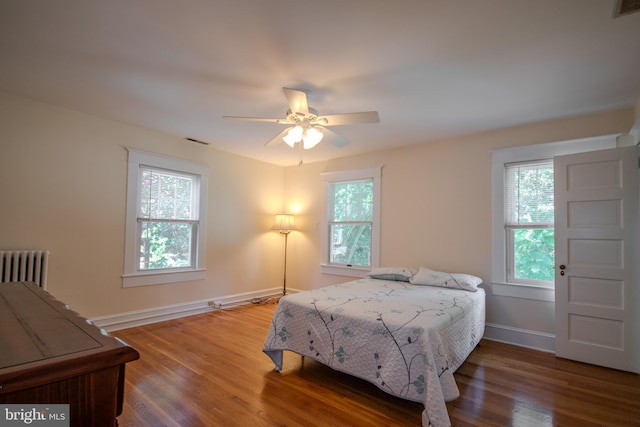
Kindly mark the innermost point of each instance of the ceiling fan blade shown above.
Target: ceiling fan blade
(253, 119)
(349, 118)
(297, 100)
(277, 139)
(333, 138)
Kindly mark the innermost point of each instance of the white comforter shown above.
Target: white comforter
(406, 339)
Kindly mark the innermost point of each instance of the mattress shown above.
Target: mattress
(406, 339)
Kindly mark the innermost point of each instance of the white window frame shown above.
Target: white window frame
(500, 285)
(326, 266)
(132, 276)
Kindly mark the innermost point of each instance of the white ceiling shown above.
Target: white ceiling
(433, 69)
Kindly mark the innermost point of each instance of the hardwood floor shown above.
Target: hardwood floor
(209, 370)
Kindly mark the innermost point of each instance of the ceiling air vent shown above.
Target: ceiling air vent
(197, 140)
(626, 7)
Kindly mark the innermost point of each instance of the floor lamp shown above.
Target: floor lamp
(284, 224)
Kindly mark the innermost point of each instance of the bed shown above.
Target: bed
(404, 337)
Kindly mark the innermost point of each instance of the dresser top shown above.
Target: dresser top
(39, 333)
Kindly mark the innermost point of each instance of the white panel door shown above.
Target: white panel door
(596, 233)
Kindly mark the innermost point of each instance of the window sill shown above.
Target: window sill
(344, 271)
(539, 293)
(157, 278)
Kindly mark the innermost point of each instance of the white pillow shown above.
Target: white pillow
(402, 274)
(428, 277)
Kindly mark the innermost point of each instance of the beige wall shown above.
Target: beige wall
(63, 184)
(436, 207)
(63, 187)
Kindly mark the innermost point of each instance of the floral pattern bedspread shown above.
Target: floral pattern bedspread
(406, 339)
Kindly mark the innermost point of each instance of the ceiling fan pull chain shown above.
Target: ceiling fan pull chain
(301, 144)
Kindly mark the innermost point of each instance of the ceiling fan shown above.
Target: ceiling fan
(308, 127)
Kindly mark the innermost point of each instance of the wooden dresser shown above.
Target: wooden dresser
(51, 355)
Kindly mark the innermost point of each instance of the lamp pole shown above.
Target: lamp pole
(284, 283)
(284, 224)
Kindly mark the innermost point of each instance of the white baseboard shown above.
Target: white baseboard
(115, 322)
(521, 337)
(510, 335)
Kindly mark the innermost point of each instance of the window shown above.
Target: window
(522, 223)
(529, 222)
(351, 221)
(166, 212)
(167, 219)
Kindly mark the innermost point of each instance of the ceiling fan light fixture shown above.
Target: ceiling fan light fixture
(312, 136)
(307, 127)
(294, 135)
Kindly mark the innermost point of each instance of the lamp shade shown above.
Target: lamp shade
(284, 222)
(312, 136)
(294, 135)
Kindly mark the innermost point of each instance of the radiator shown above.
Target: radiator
(19, 266)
